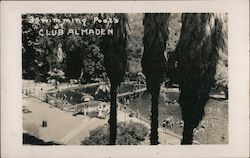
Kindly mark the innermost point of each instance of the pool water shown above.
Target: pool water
(76, 95)
(214, 109)
(88, 89)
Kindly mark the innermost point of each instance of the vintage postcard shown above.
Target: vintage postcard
(125, 79)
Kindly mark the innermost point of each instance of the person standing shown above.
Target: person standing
(85, 109)
(76, 110)
(100, 111)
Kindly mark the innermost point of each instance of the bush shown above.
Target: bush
(131, 133)
(102, 93)
(98, 136)
(127, 134)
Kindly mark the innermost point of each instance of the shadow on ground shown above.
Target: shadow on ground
(32, 140)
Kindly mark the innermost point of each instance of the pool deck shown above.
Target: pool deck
(66, 129)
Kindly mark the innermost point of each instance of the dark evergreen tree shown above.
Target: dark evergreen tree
(113, 48)
(153, 62)
(197, 56)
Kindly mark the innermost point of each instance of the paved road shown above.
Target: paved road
(70, 130)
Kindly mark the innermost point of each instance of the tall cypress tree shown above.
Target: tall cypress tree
(115, 62)
(153, 62)
(197, 55)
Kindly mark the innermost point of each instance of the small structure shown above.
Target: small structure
(44, 123)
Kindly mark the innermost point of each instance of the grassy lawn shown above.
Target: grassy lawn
(216, 118)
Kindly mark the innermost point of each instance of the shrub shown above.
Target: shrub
(131, 133)
(102, 93)
(127, 134)
(98, 136)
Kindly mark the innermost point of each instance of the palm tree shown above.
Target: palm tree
(153, 62)
(115, 63)
(202, 36)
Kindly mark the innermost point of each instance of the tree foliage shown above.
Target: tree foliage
(197, 56)
(153, 61)
(135, 44)
(221, 75)
(81, 54)
(34, 51)
(115, 62)
(114, 49)
(127, 134)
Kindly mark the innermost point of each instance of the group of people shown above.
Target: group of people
(169, 122)
(81, 108)
(102, 110)
(201, 129)
(35, 93)
(124, 100)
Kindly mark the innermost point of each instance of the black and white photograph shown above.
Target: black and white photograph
(125, 79)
